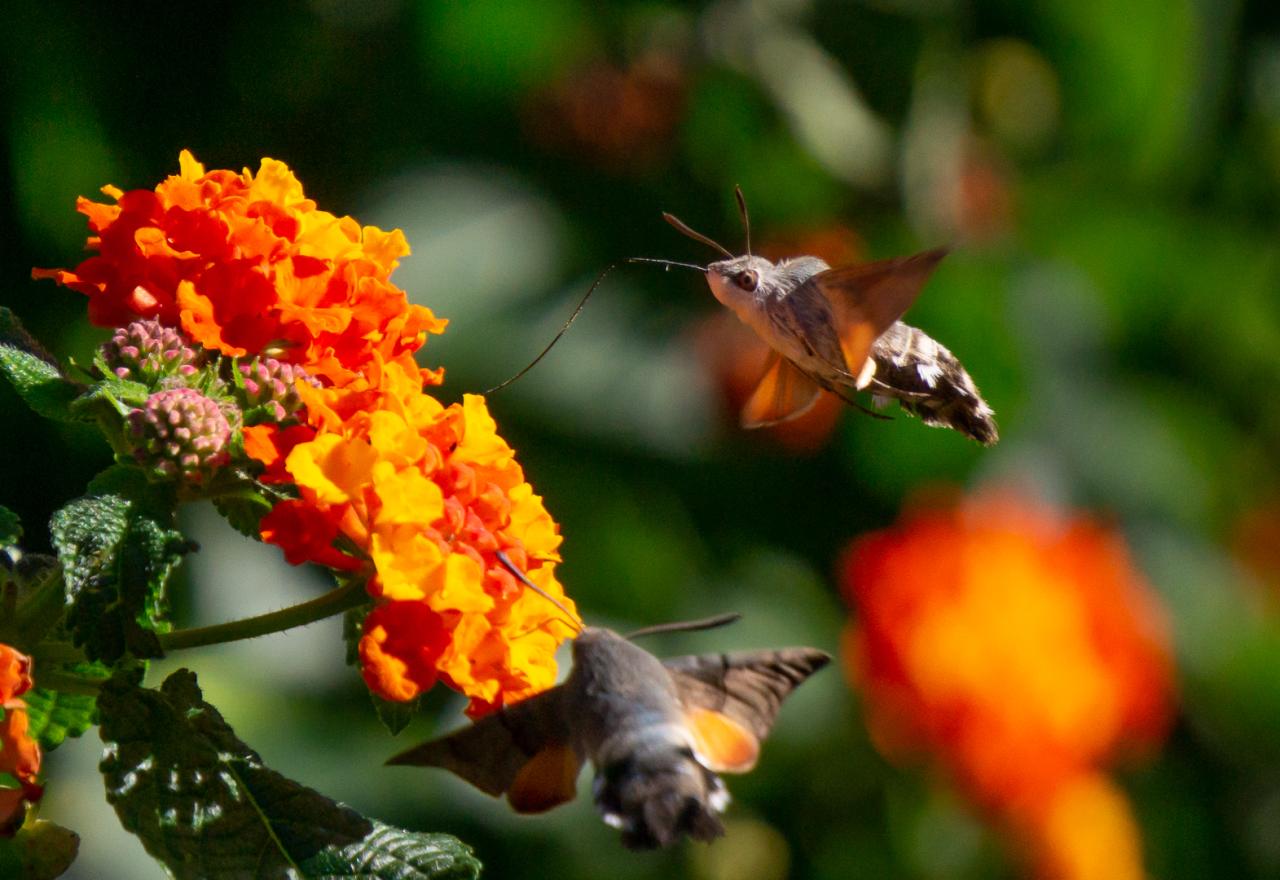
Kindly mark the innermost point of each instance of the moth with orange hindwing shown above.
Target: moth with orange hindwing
(657, 732)
(839, 329)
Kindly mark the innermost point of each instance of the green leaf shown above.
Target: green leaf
(203, 803)
(390, 853)
(40, 850)
(34, 597)
(52, 715)
(394, 716)
(244, 510)
(33, 372)
(118, 548)
(10, 527)
(243, 513)
(112, 396)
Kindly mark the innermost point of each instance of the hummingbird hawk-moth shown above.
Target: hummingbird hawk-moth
(839, 328)
(834, 329)
(657, 732)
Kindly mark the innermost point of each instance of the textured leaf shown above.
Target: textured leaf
(40, 850)
(244, 511)
(390, 853)
(34, 597)
(118, 548)
(10, 527)
(33, 372)
(202, 802)
(111, 395)
(53, 716)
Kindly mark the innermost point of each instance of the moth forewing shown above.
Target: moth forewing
(492, 751)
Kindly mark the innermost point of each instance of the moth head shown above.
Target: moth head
(741, 279)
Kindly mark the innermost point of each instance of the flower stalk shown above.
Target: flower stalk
(336, 601)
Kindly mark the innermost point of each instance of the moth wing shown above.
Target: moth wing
(866, 299)
(784, 393)
(546, 780)
(731, 700)
(522, 750)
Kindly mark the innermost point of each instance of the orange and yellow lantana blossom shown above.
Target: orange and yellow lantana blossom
(245, 265)
(19, 753)
(1022, 651)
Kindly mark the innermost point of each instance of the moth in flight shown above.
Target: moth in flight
(657, 732)
(838, 329)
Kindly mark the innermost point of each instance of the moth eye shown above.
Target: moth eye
(747, 280)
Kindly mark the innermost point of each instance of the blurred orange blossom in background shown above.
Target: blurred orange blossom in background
(245, 265)
(1021, 651)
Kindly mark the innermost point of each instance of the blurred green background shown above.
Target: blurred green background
(1109, 177)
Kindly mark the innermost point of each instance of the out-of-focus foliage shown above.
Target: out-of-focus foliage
(1108, 177)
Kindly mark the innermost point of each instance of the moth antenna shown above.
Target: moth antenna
(696, 236)
(574, 621)
(581, 305)
(742, 209)
(687, 625)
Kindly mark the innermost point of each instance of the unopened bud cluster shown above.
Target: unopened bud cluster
(272, 384)
(146, 351)
(180, 433)
(198, 400)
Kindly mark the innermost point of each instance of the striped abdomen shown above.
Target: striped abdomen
(927, 379)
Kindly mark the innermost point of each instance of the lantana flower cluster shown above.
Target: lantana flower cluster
(422, 495)
(1023, 652)
(19, 753)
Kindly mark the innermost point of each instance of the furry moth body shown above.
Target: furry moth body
(657, 732)
(839, 328)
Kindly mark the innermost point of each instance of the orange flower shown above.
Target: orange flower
(1022, 652)
(430, 495)
(246, 263)
(19, 754)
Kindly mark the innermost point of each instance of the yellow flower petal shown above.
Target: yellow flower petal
(480, 443)
(408, 497)
(458, 585)
(406, 560)
(333, 468)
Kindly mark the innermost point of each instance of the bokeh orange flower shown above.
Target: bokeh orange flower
(19, 753)
(430, 495)
(1023, 652)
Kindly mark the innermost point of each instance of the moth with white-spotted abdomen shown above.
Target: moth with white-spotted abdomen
(840, 328)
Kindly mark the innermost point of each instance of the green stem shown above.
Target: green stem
(333, 602)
